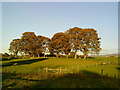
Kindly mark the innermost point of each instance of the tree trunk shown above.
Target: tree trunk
(38, 55)
(66, 56)
(24, 54)
(33, 55)
(57, 55)
(44, 54)
(16, 53)
(84, 56)
(75, 54)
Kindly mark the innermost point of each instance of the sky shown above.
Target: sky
(48, 18)
(60, 0)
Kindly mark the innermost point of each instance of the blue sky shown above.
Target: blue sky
(60, 0)
(49, 18)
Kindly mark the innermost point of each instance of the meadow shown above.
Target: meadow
(97, 72)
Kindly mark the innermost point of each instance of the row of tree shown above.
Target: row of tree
(73, 40)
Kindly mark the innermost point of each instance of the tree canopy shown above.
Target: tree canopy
(62, 43)
(84, 40)
(29, 44)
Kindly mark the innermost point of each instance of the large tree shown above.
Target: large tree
(30, 44)
(74, 39)
(28, 41)
(60, 44)
(84, 40)
(14, 46)
(44, 44)
(39, 39)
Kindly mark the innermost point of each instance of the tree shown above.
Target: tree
(84, 40)
(74, 39)
(60, 44)
(39, 45)
(28, 45)
(45, 44)
(14, 46)
(42, 45)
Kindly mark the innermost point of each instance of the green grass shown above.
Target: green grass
(29, 73)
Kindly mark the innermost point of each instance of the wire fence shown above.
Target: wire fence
(77, 69)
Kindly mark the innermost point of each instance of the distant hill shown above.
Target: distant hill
(109, 55)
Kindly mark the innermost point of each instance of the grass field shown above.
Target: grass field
(77, 73)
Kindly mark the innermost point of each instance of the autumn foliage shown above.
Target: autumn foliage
(63, 43)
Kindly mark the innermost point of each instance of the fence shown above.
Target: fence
(54, 70)
(76, 69)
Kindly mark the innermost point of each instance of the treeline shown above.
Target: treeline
(62, 43)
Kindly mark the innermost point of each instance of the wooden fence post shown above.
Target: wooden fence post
(60, 70)
(102, 72)
(107, 74)
(115, 76)
(65, 69)
(46, 70)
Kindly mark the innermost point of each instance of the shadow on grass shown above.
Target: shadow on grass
(91, 57)
(10, 85)
(84, 79)
(23, 62)
(7, 59)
